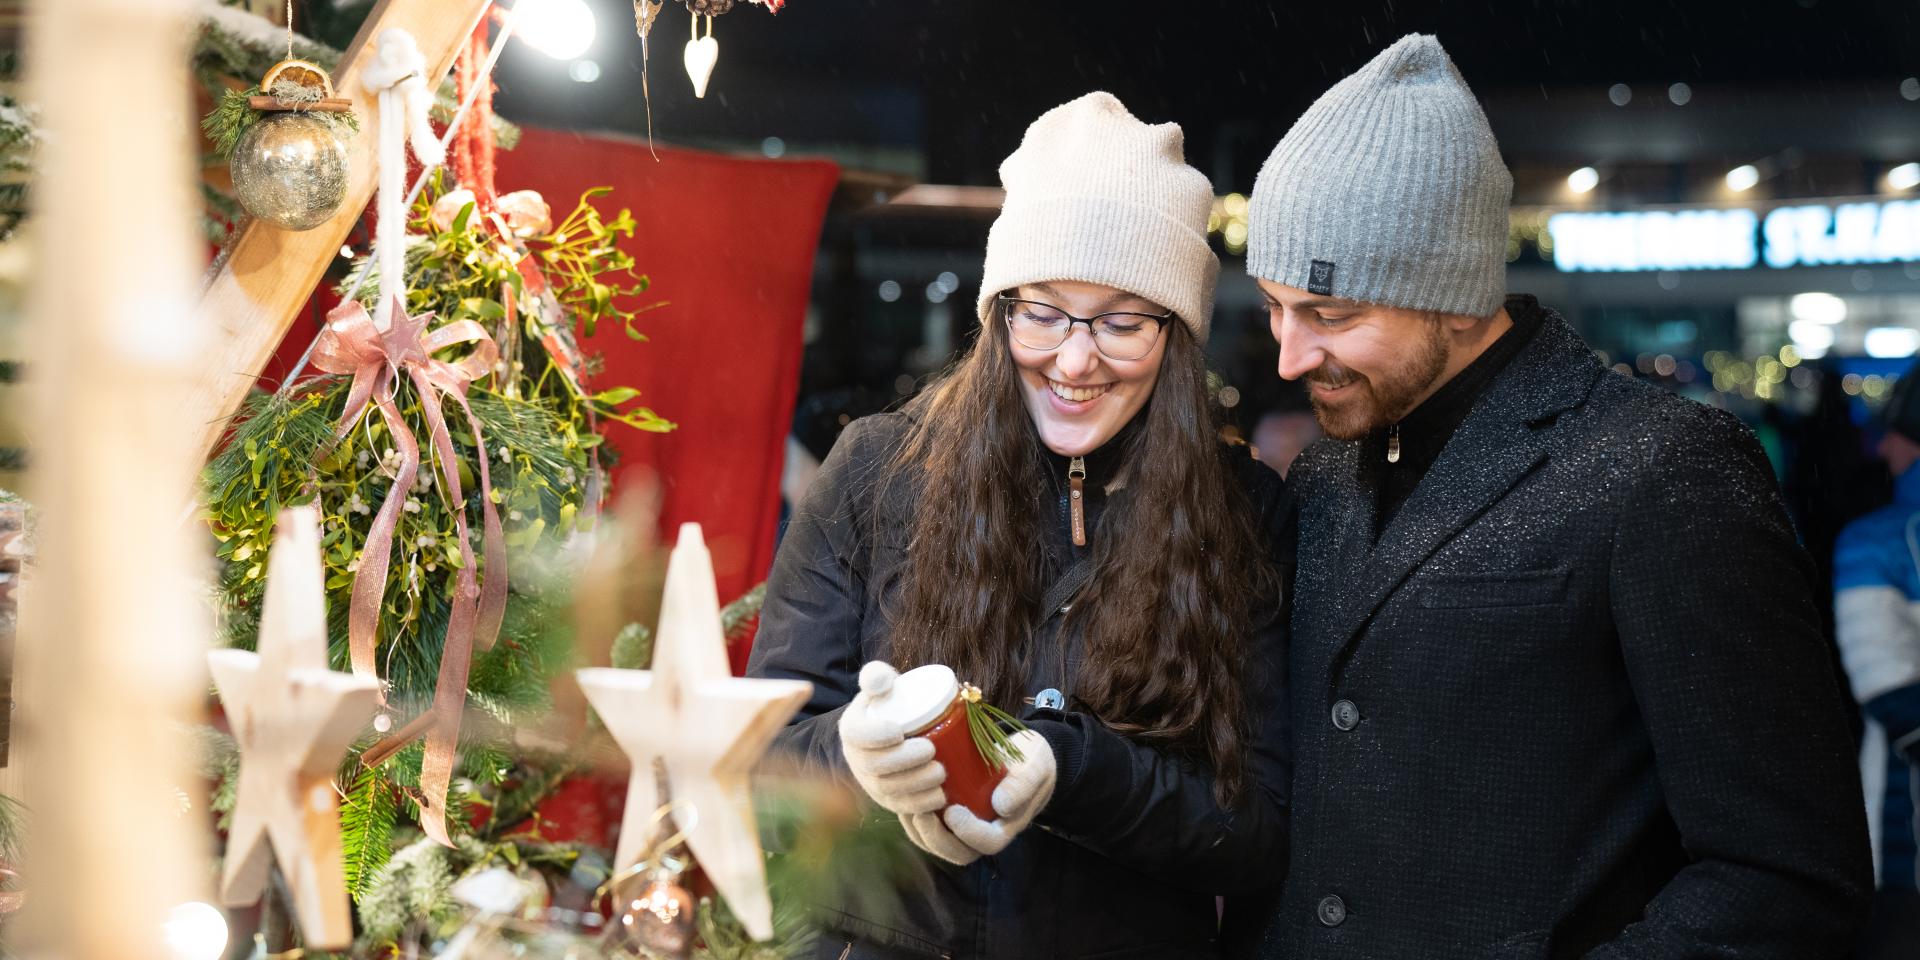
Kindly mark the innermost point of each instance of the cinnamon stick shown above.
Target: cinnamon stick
(329, 105)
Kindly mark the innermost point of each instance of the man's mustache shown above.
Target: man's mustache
(1331, 376)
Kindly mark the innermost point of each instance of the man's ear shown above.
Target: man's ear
(1461, 323)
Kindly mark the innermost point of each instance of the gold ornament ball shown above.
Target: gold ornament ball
(290, 170)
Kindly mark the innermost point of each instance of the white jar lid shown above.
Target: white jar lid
(918, 698)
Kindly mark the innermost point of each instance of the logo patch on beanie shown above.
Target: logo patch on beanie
(1320, 278)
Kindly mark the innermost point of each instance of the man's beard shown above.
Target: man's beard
(1376, 403)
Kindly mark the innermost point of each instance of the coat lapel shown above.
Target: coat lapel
(1505, 438)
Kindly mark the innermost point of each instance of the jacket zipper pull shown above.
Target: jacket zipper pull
(1076, 499)
(1393, 444)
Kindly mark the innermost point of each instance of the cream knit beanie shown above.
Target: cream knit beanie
(1390, 190)
(1097, 196)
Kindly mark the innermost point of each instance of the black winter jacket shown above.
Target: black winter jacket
(1575, 702)
(1129, 853)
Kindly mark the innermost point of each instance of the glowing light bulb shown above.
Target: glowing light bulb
(1742, 178)
(196, 931)
(1583, 180)
(561, 29)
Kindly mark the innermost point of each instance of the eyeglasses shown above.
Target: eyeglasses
(1118, 336)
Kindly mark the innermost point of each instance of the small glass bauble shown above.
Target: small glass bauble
(290, 169)
(655, 921)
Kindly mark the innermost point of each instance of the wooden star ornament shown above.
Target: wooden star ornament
(293, 719)
(706, 726)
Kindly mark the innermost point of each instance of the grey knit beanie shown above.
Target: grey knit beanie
(1388, 190)
(1098, 196)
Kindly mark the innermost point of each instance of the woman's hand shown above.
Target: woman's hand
(897, 771)
(1018, 799)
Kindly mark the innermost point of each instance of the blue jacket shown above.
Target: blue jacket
(1876, 580)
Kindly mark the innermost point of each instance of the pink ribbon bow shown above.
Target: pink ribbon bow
(351, 344)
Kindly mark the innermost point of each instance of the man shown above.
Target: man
(1558, 684)
(1876, 612)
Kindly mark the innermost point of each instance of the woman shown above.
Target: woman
(1058, 522)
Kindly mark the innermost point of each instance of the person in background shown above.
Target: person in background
(1876, 608)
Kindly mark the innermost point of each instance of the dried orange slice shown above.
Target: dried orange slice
(301, 73)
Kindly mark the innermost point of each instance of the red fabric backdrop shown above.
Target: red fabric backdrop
(729, 244)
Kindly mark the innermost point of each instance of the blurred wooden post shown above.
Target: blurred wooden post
(118, 599)
(269, 272)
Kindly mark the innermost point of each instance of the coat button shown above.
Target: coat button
(1332, 911)
(1346, 716)
(1050, 699)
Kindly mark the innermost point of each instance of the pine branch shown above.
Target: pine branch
(742, 611)
(519, 802)
(992, 729)
(229, 118)
(633, 647)
(366, 830)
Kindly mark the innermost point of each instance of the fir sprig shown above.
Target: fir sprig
(992, 729)
(366, 830)
(233, 115)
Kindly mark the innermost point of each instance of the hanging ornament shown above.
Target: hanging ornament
(654, 919)
(290, 169)
(702, 53)
(645, 12)
(289, 161)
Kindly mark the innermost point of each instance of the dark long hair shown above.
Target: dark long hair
(1178, 572)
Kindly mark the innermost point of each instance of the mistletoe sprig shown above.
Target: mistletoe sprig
(463, 269)
(581, 251)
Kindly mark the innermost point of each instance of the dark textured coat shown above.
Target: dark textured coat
(1588, 711)
(1127, 856)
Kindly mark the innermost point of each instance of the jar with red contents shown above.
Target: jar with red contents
(931, 702)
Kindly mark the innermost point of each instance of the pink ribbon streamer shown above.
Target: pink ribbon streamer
(351, 344)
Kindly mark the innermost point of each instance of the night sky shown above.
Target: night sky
(960, 79)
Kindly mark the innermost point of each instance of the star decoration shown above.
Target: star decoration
(707, 727)
(402, 336)
(293, 719)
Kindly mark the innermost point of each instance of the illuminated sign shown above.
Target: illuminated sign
(1710, 238)
(1655, 240)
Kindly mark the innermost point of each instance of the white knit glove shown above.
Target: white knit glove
(897, 771)
(929, 833)
(1018, 798)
